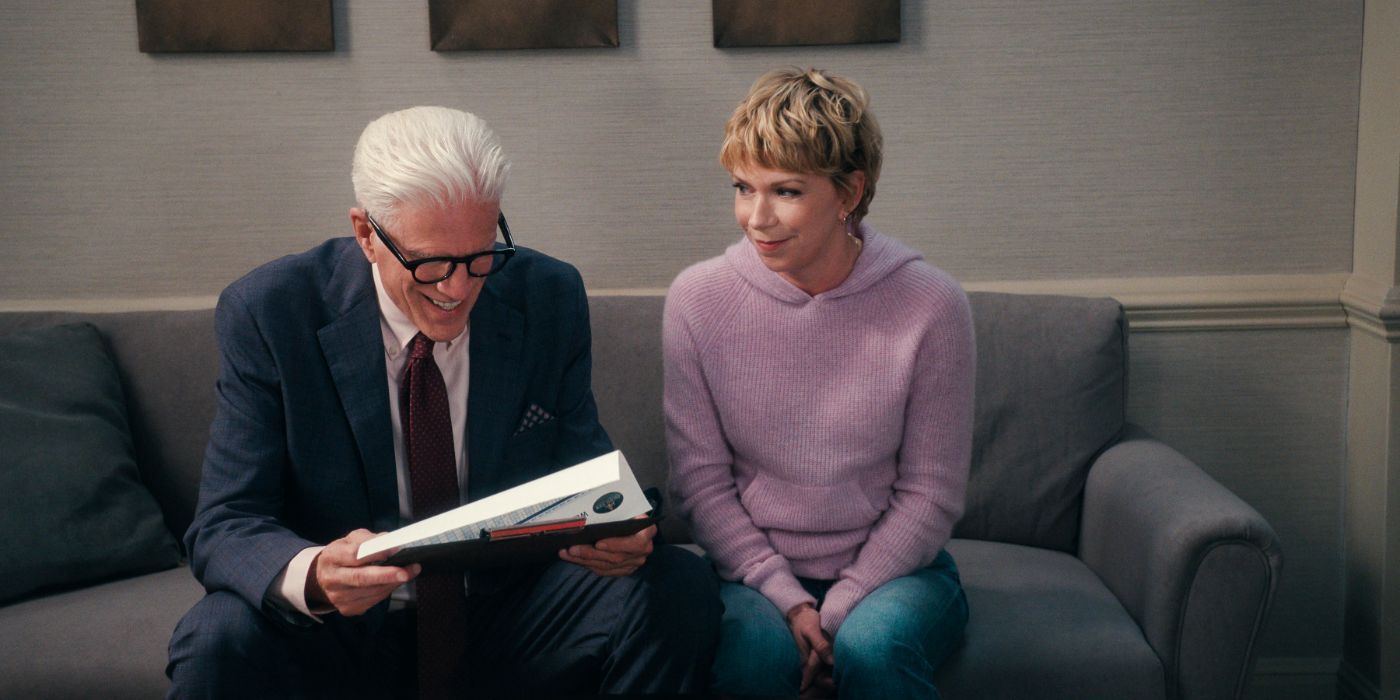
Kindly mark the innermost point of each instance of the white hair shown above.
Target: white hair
(427, 155)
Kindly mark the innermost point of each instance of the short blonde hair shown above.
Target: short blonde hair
(807, 121)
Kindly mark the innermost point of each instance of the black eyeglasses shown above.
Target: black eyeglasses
(437, 269)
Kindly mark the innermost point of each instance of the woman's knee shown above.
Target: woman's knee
(757, 654)
(868, 646)
(885, 630)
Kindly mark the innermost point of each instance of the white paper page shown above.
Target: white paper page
(586, 477)
(621, 499)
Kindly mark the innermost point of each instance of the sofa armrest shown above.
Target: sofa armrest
(1194, 565)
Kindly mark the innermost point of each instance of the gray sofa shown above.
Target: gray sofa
(1098, 562)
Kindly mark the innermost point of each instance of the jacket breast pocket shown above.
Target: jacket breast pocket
(533, 447)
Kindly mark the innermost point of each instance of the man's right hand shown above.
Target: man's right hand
(352, 585)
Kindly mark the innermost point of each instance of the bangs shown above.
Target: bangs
(792, 129)
(807, 121)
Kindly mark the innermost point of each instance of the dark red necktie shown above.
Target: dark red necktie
(432, 475)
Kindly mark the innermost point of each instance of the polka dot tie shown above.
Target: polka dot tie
(432, 475)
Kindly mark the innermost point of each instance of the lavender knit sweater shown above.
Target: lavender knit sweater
(821, 436)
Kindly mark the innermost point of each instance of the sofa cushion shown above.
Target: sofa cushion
(1042, 625)
(1051, 394)
(72, 505)
(169, 390)
(106, 641)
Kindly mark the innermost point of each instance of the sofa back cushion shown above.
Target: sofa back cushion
(167, 362)
(1051, 394)
(1051, 384)
(627, 385)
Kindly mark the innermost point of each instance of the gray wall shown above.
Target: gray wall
(1026, 140)
(1265, 413)
(1081, 139)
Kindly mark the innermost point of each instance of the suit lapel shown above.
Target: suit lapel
(496, 385)
(353, 348)
(354, 351)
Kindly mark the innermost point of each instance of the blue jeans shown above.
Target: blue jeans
(888, 647)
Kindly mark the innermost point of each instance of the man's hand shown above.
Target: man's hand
(812, 645)
(613, 556)
(352, 585)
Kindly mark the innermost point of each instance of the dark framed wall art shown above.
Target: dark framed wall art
(176, 26)
(470, 25)
(804, 22)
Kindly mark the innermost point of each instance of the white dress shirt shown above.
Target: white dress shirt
(451, 357)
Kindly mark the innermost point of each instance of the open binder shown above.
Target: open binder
(582, 504)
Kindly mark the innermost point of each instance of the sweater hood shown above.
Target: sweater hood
(879, 257)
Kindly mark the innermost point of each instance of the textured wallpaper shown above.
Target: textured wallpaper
(1081, 138)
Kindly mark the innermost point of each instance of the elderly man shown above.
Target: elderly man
(379, 380)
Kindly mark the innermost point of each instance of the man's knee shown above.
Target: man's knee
(220, 624)
(679, 588)
(220, 638)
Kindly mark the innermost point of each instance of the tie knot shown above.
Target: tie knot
(422, 347)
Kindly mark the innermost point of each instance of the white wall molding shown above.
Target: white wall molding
(628, 292)
(1373, 306)
(1239, 302)
(111, 305)
(1236, 302)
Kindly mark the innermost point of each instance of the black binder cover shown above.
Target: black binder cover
(486, 553)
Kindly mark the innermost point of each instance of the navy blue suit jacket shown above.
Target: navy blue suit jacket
(301, 449)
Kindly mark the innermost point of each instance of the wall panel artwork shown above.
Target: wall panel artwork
(804, 22)
(467, 25)
(234, 25)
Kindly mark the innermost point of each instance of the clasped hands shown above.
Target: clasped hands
(813, 647)
(340, 579)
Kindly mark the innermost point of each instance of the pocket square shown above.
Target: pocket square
(534, 415)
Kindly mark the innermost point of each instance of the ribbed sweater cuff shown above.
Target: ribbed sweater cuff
(782, 589)
(843, 596)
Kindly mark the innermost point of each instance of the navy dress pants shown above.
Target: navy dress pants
(562, 632)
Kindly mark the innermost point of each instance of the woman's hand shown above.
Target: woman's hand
(812, 645)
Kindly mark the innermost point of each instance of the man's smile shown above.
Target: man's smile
(444, 305)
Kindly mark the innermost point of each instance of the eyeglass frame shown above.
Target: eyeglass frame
(466, 260)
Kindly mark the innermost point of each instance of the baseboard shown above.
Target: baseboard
(1294, 678)
(1352, 685)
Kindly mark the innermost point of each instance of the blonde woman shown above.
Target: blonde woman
(819, 380)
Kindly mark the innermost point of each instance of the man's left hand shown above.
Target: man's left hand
(613, 556)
